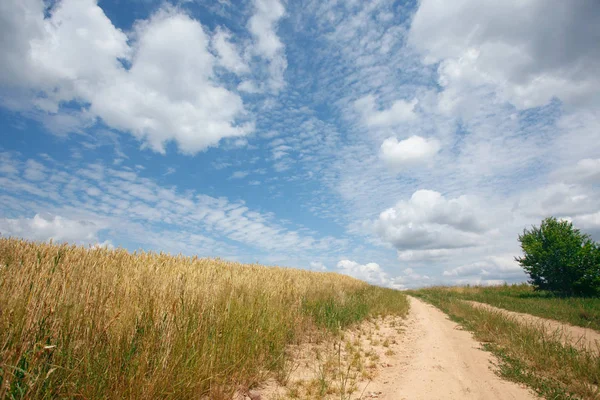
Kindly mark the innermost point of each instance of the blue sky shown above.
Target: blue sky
(406, 143)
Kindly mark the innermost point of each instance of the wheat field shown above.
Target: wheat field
(97, 323)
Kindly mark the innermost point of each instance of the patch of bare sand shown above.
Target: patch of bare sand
(582, 338)
(425, 356)
(342, 368)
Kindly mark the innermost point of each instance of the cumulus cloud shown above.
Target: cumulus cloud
(370, 272)
(170, 67)
(374, 274)
(157, 84)
(400, 111)
(408, 152)
(44, 227)
(64, 55)
(505, 44)
(429, 221)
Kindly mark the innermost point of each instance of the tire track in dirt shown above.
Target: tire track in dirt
(583, 338)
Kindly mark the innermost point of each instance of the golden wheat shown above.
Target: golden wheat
(99, 323)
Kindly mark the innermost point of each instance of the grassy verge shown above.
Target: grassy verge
(96, 323)
(580, 311)
(526, 353)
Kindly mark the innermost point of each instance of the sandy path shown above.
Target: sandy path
(585, 338)
(436, 359)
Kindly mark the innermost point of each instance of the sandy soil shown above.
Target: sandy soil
(583, 338)
(425, 356)
(439, 360)
(350, 365)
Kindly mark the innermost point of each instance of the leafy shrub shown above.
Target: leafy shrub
(560, 259)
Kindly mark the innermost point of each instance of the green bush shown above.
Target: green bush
(561, 259)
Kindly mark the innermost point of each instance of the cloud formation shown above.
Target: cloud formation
(400, 111)
(96, 197)
(44, 227)
(528, 61)
(370, 272)
(263, 26)
(429, 221)
(158, 83)
(408, 152)
(417, 139)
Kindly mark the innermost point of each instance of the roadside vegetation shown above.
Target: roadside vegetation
(561, 259)
(579, 311)
(564, 269)
(527, 353)
(98, 323)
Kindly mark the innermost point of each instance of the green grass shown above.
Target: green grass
(579, 311)
(109, 324)
(328, 312)
(526, 354)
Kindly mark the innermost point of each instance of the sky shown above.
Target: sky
(405, 143)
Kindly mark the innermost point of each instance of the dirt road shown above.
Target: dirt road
(583, 338)
(439, 360)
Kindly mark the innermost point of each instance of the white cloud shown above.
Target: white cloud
(45, 227)
(400, 111)
(65, 55)
(228, 55)
(248, 87)
(408, 152)
(559, 200)
(425, 255)
(280, 151)
(239, 174)
(429, 221)
(317, 266)
(505, 44)
(510, 160)
(590, 223)
(34, 171)
(263, 26)
(133, 207)
(409, 279)
(107, 244)
(8, 165)
(168, 92)
(503, 268)
(170, 171)
(370, 272)
(586, 171)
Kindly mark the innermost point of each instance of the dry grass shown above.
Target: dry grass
(527, 353)
(96, 323)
